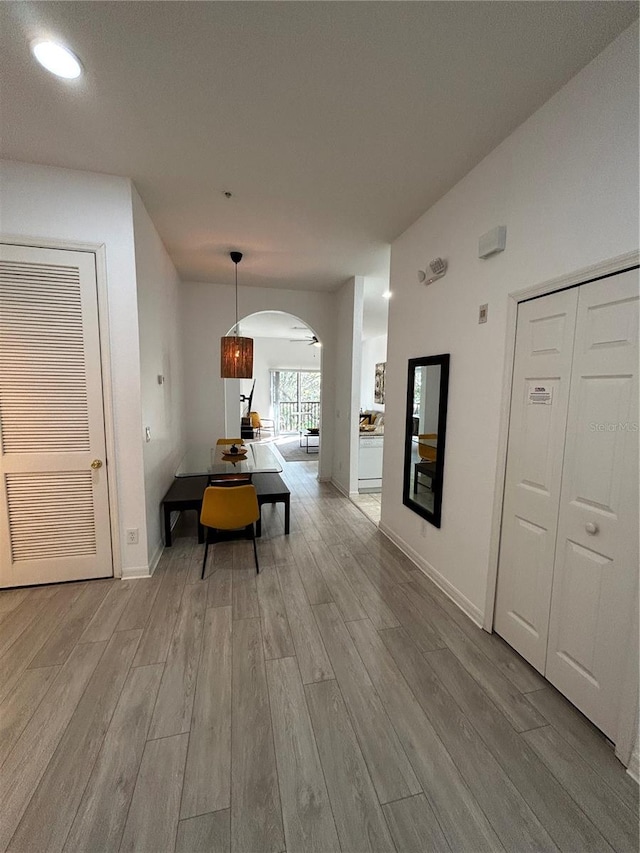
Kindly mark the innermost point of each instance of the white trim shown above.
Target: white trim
(628, 739)
(467, 607)
(634, 767)
(136, 572)
(144, 571)
(107, 397)
(153, 565)
(339, 487)
(627, 726)
(98, 250)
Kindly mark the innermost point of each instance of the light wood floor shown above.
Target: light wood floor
(338, 701)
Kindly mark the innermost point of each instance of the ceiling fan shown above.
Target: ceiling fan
(312, 341)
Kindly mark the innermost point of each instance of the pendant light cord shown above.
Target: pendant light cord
(236, 329)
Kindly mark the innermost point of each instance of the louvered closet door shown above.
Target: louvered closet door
(54, 510)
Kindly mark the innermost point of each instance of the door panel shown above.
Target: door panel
(544, 349)
(596, 569)
(54, 511)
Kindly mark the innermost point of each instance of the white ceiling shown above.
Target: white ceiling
(334, 124)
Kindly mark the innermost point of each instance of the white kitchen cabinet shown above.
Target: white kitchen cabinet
(370, 462)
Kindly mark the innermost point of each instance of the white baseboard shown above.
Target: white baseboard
(129, 572)
(153, 565)
(474, 613)
(144, 571)
(340, 488)
(634, 762)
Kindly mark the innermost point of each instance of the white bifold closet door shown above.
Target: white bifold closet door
(568, 573)
(595, 579)
(54, 506)
(544, 352)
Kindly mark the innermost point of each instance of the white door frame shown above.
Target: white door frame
(99, 251)
(629, 704)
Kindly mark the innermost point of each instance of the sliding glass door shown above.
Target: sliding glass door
(295, 398)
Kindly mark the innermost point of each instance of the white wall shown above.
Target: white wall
(349, 310)
(160, 355)
(60, 204)
(208, 312)
(374, 351)
(565, 184)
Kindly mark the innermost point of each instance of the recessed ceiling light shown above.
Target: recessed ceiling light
(387, 294)
(57, 59)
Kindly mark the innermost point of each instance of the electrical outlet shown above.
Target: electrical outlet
(132, 536)
(147, 434)
(483, 313)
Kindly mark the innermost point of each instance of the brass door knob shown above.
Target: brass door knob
(97, 463)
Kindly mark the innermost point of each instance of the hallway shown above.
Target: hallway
(337, 701)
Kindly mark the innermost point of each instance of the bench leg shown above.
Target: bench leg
(287, 514)
(167, 526)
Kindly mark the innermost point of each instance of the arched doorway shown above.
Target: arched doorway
(286, 386)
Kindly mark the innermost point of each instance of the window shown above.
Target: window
(295, 398)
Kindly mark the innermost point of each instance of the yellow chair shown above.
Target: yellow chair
(238, 478)
(428, 454)
(258, 423)
(229, 512)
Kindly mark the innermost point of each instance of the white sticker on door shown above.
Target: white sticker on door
(540, 395)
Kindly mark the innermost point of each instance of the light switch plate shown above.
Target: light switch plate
(483, 313)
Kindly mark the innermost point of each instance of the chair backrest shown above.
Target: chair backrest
(229, 507)
(255, 420)
(229, 441)
(427, 451)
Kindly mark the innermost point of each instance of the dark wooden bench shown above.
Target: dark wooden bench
(185, 493)
(271, 489)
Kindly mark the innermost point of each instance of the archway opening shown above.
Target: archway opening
(286, 389)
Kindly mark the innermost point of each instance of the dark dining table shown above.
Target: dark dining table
(206, 465)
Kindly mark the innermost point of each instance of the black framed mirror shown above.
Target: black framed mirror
(426, 427)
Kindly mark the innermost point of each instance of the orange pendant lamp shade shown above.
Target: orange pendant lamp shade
(236, 353)
(236, 357)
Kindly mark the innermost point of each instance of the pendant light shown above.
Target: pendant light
(236, 353)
